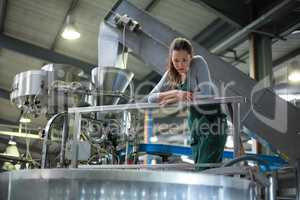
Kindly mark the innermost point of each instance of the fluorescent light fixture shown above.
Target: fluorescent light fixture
(70, 32)
(294, 76)
(25, 120)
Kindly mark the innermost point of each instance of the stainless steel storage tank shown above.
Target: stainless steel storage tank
(109, 184)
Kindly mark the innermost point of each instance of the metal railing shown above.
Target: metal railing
(233, 101)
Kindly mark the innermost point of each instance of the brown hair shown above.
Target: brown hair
(177, 45)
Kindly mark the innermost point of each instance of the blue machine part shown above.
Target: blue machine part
(275, 162)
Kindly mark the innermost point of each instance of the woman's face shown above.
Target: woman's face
(181, 60)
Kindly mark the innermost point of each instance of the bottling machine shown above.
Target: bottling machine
(98, 138)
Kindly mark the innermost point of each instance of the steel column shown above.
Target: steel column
(261, 57)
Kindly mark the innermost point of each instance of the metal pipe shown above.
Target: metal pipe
(236, 129)
(131, 92)
(76, 137)
(65, 132)
(247, 158)
(144, 106)
(252, 26)
(46, 136)
(273, 187)
(64, 137)
(181, 166)
(126, 122)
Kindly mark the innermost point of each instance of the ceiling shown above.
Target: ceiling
(30, 33)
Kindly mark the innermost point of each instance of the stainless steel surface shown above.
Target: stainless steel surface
(83, 152)
(109, 83)
(29, 90)
(51, 89)
(84, 97)
(68, 87)
(107, 184)
(108, 46)
(143, 106)
(273, 187)
(63, 72)
(170, 167)
(183, 167)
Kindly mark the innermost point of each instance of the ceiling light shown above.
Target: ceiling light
(70, 32)
(25, 120)
(294, 76)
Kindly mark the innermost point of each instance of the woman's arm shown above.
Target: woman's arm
(174, 96)
(164, 94)
(162, 85)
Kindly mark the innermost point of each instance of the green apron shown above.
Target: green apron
(208, 129)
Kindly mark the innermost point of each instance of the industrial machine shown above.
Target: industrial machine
(49, 90)
(100, 139)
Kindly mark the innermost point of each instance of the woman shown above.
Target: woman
(187, 77)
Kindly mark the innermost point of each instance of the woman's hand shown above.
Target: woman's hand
(174, 96)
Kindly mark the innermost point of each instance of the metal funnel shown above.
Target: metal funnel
(109, 84)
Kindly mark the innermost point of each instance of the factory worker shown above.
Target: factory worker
(187, 78)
